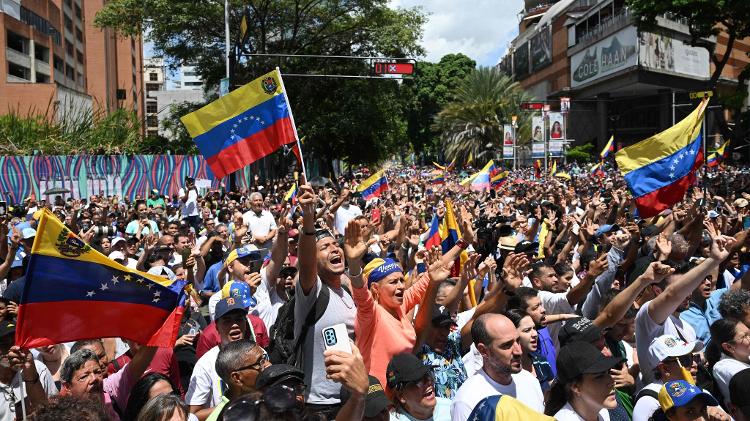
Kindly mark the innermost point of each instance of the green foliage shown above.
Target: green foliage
(482, 103)
(337, 116)
(428, 92)
(84, 132)
(580, 153)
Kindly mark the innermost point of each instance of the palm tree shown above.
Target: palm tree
(472, 123)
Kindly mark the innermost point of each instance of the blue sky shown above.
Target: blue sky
(481, 29)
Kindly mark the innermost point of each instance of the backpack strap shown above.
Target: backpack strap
(646, 392)
(315, 313)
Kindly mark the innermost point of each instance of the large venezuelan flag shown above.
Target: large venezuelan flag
(481, 180)
(374, 185)
(243, 126)
(450, 233)
(73, 292)
(660, 169)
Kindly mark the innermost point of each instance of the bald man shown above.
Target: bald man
(496, 339)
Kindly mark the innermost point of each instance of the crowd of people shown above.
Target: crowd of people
(547, 298)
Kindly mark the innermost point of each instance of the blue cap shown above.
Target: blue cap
(606, 228)
(227, 305)
(679, 393)
(239, 290)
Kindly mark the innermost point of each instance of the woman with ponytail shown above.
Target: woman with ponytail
(729, 352)
(584, 389)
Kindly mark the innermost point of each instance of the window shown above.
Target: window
(41, 53)
(79, 56)
(69, 47)
(151, 108)
(68, 23)
(153, 77)
(17, 42)
(79, 15)
(55, 34)
(19, 71)
(42, 78)
(70, 72)
(79, 35)
(79, 78)
(193, 83)
(152, 121)
(58, 64)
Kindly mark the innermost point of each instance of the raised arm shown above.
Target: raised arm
(667, 302)
(308, 269)
(279, 250)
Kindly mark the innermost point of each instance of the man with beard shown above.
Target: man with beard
(204, 392)
(661, 315)
(321, 266)
(496, 338)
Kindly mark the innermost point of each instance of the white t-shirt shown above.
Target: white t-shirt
(344, 215)
(555, 303)
(724, 370)
(189, 207)
(646, 329)
(567, 413)
(524, 387)
(7, 408)
(260, 225)
(646, 405)
(205, 384)
(268, 300)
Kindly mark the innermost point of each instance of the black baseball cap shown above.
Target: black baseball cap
(278, 373)
(7, 328)
(441, 316)
(375, 400)
(738, 387)
(577, 358)
(405, 368)
(527, 247)
(579, 329)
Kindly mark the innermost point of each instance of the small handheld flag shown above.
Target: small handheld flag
(373, 186)
(608, 148)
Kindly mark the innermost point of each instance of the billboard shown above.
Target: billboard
(508, 141)
(556, 126)
(555, 148)
(610, 55)
(664, 54)
(541, 49)
(521, 60)
(537, 150)
(537, 129)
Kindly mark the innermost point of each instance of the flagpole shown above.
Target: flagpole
(294, 126)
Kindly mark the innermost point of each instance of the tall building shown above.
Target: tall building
(621, 80)
(154, 73)
(190, 79)
(56, 63)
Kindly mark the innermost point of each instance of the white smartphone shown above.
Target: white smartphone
(336, 337)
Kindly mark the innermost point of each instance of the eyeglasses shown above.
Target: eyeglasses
(257, 366)
(278, 399)
(684, 360)
(287, 272)
(427, 380)
(743, 338)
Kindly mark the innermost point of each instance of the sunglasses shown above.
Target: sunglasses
(288, 272)
(684, 360)
(278, 399)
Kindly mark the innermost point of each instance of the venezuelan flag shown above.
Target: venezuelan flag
(433, 235)
(437, 177)
(553, 170)
(374, 185)
(538, 169)
(291, 194)
(73, 292)
(450, 233)
(243, 126)
(480, 180)
(596, 170)
(660, 169)
(608, 148)
(712, 160)
(504, 407)
(498, 179)
(722, 151)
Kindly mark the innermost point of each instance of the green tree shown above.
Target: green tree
(580, 153)
(706, 18)
(427, 93)
(473, 120)
(333, 114)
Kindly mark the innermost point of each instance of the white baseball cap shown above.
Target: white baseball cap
(116, 240)
(117, 255)
(666, 346)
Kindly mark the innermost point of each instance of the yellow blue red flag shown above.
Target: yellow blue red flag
(243, 126)
(374, 185)
(660, 169)
(608, 148)
(481, 180)
(91, 296)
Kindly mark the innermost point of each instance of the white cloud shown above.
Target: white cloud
(481, 29)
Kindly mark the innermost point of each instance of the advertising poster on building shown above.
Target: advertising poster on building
(556, 126)
(521, 60)
(541, 49)
(537, 129)
(537, 150)
(610, 55)
(508, 141)
(664, 54)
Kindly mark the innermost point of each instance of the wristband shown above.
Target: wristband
(421, 267)
(354, 276)
(462, 244)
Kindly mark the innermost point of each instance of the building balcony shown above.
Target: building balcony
(604, 29)
(42, 67)
(18, 57)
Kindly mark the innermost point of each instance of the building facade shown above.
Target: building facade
(621, 81)
(154, 74)
(56, 63)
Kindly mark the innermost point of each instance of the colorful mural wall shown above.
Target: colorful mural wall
(84, 175)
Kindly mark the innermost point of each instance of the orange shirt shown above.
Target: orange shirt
(379, 335)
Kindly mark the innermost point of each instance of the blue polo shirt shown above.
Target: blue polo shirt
(701, 318)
